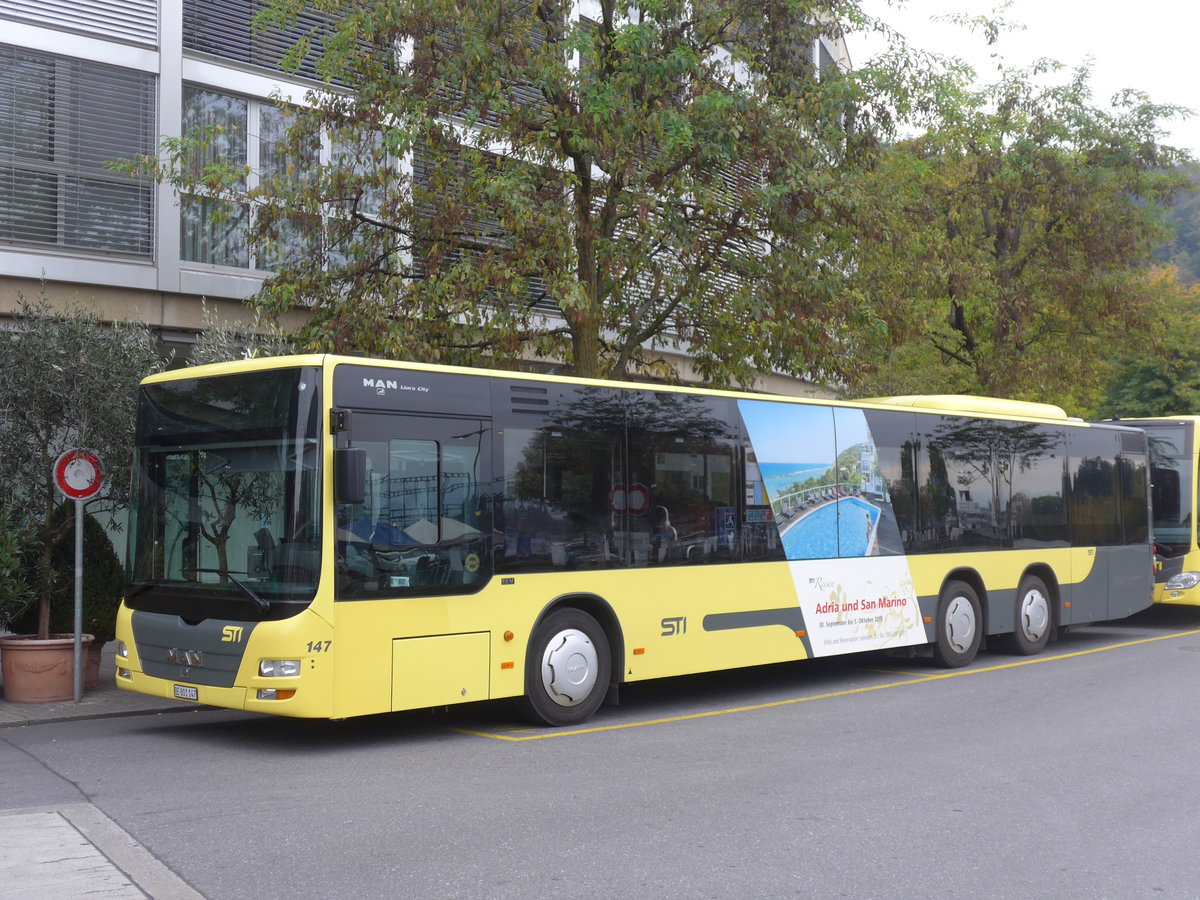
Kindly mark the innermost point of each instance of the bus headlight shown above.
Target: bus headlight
(278, 668)
(1183, 581)
(122, 650)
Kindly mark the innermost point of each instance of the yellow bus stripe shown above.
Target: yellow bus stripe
(826, 696)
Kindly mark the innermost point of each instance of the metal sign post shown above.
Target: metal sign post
(79, 476)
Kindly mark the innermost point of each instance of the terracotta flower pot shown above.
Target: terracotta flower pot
(39, 671)
(92, 657)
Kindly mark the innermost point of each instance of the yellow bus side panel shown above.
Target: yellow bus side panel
(666, 618)
(440, 671)
(663, 615)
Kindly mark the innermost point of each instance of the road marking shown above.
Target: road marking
(884, 671)
(924, 679)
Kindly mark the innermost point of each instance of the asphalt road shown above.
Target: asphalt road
(1068, 775)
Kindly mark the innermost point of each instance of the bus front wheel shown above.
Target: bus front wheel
(958, 625)
(1032, 616)
(567, 668)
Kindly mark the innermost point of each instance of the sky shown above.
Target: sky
(1150, 46)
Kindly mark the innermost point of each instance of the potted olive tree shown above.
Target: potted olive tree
(15, 592)
(67, 380)
(103, 581)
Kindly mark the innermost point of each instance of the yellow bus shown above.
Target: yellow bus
(325, 536)
(1172, 446)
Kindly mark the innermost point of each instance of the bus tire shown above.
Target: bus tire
(1033, 617)
(959, 620)
(567, 668)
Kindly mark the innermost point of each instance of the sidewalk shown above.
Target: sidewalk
(106, 699)
(74, 849)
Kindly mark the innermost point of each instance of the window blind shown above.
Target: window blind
(224, 28)
(135, 21)
(61, 120)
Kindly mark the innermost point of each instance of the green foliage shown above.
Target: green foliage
(103, 581)
(1183, 250)
(1007, 248)
(67, 380)
(666, 175)
(15, 590)
(221, 340)
(1158, 371)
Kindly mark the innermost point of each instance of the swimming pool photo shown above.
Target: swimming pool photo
(816, 534)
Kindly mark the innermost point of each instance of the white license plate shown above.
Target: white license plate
(183, 692)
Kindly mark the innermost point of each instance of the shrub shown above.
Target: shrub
(103, 581)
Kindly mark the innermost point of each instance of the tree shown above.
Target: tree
(1031, 216)
(66, 380)
(666, 174)
(1183, 250)
(1158, 372)
(15, 591)
(103, 581)
(221, 340)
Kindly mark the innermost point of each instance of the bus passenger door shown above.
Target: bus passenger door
(410, 558)
(424, 526)
(1131, 566)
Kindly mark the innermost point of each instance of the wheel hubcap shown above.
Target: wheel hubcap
(569, 667)
(960, 624)
(1035, 614)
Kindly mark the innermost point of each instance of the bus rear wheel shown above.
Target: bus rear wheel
(1032, 617)
(567, 668)
(958, 625)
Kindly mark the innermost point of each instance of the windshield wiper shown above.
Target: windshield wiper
(142, 588)
(260, 605)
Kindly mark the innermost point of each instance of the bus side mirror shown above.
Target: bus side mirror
(349, 475)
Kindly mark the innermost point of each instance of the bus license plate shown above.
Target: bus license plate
(183, 692)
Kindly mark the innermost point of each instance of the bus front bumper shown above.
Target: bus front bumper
(1182, 590)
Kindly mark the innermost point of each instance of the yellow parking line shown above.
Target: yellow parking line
(941, 676)
(884, 671)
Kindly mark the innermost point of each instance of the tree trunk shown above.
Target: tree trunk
(585, 347)
(45, 554)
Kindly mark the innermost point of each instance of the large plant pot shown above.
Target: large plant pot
(39, 671)
(93, 654)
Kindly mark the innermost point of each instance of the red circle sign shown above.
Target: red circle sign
(78, 474)
(638, 500)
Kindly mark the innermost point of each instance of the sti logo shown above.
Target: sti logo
(674, 626)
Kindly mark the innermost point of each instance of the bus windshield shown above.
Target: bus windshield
(1172, 485)
(225, 513)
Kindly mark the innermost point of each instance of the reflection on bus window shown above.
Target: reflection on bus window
(423, 524)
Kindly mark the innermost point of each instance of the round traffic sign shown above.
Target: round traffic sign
(78, 474)
(638, 500)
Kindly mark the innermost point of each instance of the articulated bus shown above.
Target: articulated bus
(1173, 500)
(324, 536)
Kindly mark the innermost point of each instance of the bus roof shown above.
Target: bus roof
(952, 403)
(993, 406)
(1134, 421)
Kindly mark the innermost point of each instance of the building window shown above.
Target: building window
(132, 21)
(225, 29)
(240, 133)
(61, 121)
